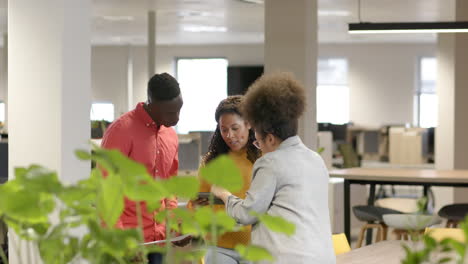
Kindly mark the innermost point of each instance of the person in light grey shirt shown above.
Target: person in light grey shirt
(290, 180)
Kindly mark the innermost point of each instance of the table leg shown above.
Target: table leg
(425, 194)
(425, 190)
(370, 201)
(347, 209)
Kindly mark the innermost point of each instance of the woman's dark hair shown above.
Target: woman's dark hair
(230, 105)
(273, 105)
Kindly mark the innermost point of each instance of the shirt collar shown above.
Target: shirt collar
(144, 116)
(290, 141)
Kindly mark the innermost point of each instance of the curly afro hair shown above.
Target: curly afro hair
(274, 103)
(230, 105)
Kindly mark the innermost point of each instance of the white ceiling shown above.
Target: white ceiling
(233, 21)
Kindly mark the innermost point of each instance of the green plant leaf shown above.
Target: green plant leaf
(204, 216)
(23, 205)
(83, 154)
(186, 218)
(110, 200)
(110, 245)
(224, 221)
(75, 196)
(223, 172)
(161, 216)
(37, 179)
(138, 184)
(150, 191)
(276, 223)
(182, 186)
(444, 260)
(422, 204)
(27, 231)
(58, 247)
(429, 241)
(20, 172)
(254, 253)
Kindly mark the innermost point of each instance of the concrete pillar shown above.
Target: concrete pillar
(49, 86)
(130, 103)
(451, 144)
(291, 45)
(151, 43)
(4, 79)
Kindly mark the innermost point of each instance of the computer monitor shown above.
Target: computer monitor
(338, 131)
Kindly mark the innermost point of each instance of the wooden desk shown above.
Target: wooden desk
(385, 252)
(390, 176)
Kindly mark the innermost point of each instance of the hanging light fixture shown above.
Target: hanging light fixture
(406, 27)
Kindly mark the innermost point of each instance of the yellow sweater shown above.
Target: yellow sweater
(231, 239)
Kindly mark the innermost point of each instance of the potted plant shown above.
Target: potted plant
(68, 223)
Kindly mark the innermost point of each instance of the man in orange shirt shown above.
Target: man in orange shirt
(145, 135)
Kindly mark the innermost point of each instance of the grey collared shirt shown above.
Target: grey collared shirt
(291, 182)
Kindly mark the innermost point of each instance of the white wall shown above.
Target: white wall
(109, 67)
(3, 73)
(166, 57)
(382, 77)
(109, 76)
(382, 80)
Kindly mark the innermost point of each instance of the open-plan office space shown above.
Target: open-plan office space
(63, 59)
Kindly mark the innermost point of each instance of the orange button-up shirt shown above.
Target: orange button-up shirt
(137, 136)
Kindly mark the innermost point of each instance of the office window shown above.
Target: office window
(332, 91)
(102, 111)
(203, 83)
(426, 97)
(2, 112)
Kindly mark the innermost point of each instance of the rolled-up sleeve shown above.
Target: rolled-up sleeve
(259, 196)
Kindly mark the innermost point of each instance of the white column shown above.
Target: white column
(451, 144)
(4, 79)
(151, 43)
(130, 103)
(49, 85)
(291, 45)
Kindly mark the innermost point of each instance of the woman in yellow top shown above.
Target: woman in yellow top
(233, 136)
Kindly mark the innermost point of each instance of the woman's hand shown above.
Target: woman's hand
(200, 202)
(221, 193)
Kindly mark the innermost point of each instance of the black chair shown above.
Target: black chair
(454, 213)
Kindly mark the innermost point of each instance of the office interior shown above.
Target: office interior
(398, 100)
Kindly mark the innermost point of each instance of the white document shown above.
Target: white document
(174, 239)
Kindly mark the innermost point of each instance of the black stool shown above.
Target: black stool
(454, 213)
(373, 216)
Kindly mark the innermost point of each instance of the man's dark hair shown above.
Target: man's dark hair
(163, 87)
(273, 105)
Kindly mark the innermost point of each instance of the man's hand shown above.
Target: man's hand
(183, 242)
(221, 193)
